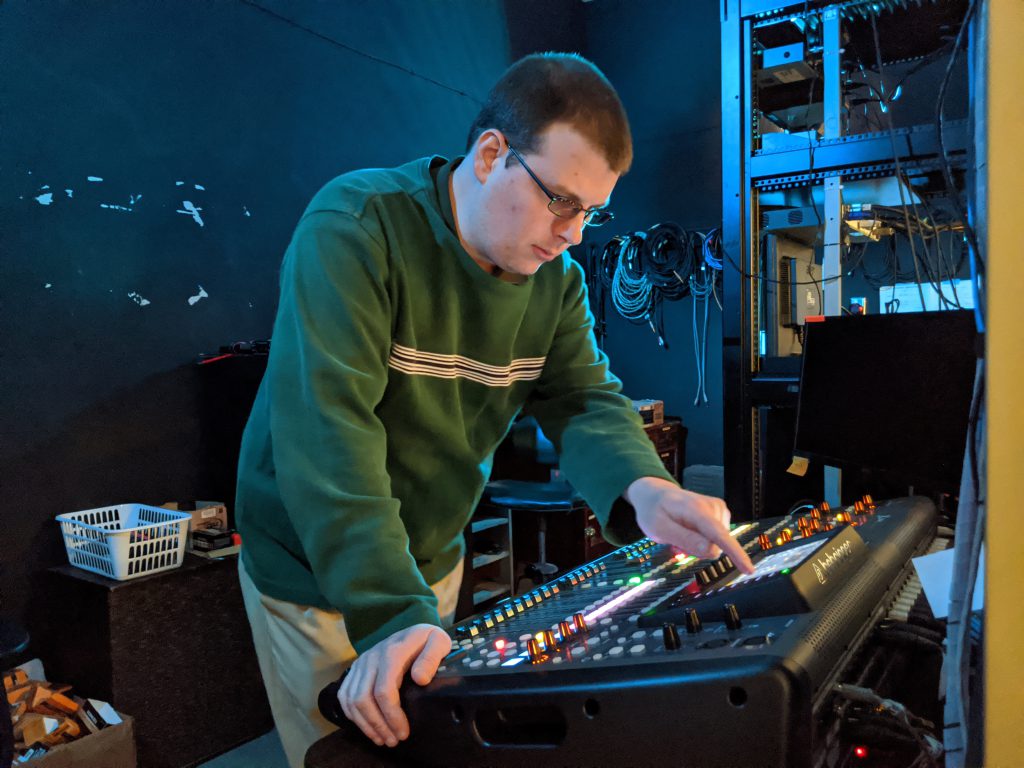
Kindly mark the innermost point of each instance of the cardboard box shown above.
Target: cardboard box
(651, 411)
(112, 747)
(205, 514)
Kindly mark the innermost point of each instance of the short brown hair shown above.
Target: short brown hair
(546, 88)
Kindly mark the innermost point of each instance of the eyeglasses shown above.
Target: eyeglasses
(566, 207)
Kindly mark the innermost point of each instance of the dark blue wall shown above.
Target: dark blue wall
(663, 56)
(260, 105)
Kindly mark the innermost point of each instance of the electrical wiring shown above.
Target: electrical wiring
(977, 260)
(643, 270)
(888, 711)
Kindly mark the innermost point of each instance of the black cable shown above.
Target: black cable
(896, 160)
(356, 51)
(947, 173)
(749, 276)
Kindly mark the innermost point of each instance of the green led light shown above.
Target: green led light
(634, 580)
(785, 570)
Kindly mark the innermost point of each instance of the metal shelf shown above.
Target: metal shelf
(479, 561)
(487, 522)
(832, 157)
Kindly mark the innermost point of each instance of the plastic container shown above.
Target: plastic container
(125, 541)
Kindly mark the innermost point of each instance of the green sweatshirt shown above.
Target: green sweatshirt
(396, 367)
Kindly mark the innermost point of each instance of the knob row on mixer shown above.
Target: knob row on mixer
(820, 519)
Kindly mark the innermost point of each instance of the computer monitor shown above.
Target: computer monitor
(889, 392)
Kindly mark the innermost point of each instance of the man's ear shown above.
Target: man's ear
(488, 150)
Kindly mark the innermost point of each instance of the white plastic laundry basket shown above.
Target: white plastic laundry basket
(125, 541)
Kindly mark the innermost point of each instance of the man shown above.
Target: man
(422, 308)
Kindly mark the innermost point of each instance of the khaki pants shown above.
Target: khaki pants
(301, 649)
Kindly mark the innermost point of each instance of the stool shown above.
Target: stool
(13, 642)
(543, 499)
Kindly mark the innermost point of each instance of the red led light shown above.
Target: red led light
(860, 752)
(499, 644)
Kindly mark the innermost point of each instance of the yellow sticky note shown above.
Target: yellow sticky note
(799, 466)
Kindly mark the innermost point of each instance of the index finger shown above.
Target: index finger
(713, 529)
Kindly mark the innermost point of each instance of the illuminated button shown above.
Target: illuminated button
(474, 631)
(489, 622)
(546, 591)
(529, 601)
(518, 606)
(554, 589)
(510, 611)
(616, 650)
(499, 617)
(636, 650)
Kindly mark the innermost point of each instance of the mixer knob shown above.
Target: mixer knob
(764, 541)
(702, 577)
(670, 634)
(869, 502)
(815, 513)
(858, 507)
(787, 535)
(727, 564)
(693, 622)
(579, 622)
(825, 507)
(564, 629)
(533, 650)
(549, 639)
(732, 616)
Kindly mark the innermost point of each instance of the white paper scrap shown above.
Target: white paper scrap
(936, 574)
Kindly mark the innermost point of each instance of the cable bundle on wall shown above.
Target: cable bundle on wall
(644, 269)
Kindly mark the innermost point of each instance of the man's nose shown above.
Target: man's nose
(570, 230)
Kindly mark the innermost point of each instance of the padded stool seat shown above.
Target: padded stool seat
(556, 496)
(539, 498)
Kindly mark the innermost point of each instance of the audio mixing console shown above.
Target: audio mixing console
(648, 656)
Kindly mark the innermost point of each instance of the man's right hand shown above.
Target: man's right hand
(369, 694)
